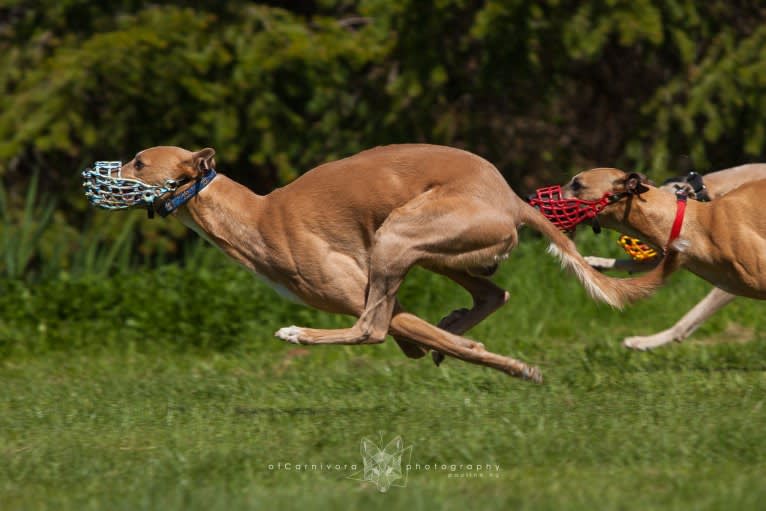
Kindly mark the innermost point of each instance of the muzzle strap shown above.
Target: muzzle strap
(698, 185)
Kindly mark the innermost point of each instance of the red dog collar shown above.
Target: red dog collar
(678, 222)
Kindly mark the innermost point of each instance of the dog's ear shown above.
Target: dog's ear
(203, 161)
(634, 183)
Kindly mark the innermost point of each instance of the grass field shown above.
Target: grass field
(164, 389)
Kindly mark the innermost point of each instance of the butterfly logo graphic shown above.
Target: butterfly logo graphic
(383, 467)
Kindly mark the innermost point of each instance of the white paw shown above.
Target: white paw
(291, 334)
(641, 343)
(600, 263)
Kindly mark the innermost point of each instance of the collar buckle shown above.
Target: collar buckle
(164, 207)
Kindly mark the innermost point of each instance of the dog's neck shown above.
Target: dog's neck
(650, 217)
(227, 215)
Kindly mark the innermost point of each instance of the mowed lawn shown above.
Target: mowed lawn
(165, 389)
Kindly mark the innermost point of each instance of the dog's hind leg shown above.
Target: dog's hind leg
(487, 298)
(442, 341)
(410, 348)
(712, 303)
(629, 265)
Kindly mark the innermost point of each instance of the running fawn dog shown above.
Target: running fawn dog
(702, 188)
(342, 237)
(721, 241)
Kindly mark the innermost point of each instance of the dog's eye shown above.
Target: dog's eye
(138, 165)
(575, 185)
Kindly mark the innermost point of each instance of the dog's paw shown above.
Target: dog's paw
(642, 343)
(291, 334)
(600, 263)
(533, 374)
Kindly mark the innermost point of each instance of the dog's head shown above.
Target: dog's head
(158, 165)
(586, 196)
(595, 183)
(148, 179)
(612, 189)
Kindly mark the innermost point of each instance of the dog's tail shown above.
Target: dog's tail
(614, 291)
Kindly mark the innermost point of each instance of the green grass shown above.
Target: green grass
(164, 389)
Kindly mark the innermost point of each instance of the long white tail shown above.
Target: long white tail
(614, 291)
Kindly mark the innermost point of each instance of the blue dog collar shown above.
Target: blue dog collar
(164, 207)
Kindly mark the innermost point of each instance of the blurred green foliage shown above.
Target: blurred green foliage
(541, 88)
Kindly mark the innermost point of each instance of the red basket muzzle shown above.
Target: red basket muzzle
(567, 213)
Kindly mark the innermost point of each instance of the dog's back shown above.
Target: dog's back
(365, 188)
(723, 181)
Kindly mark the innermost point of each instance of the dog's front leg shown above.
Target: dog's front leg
(712, 303)
(391, 256)
(628, 265)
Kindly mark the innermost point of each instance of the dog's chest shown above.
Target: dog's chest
(279, 288)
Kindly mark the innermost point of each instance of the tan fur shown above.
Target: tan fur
(721, 182)
(342, 237)
(723, 241)
(718, 184)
